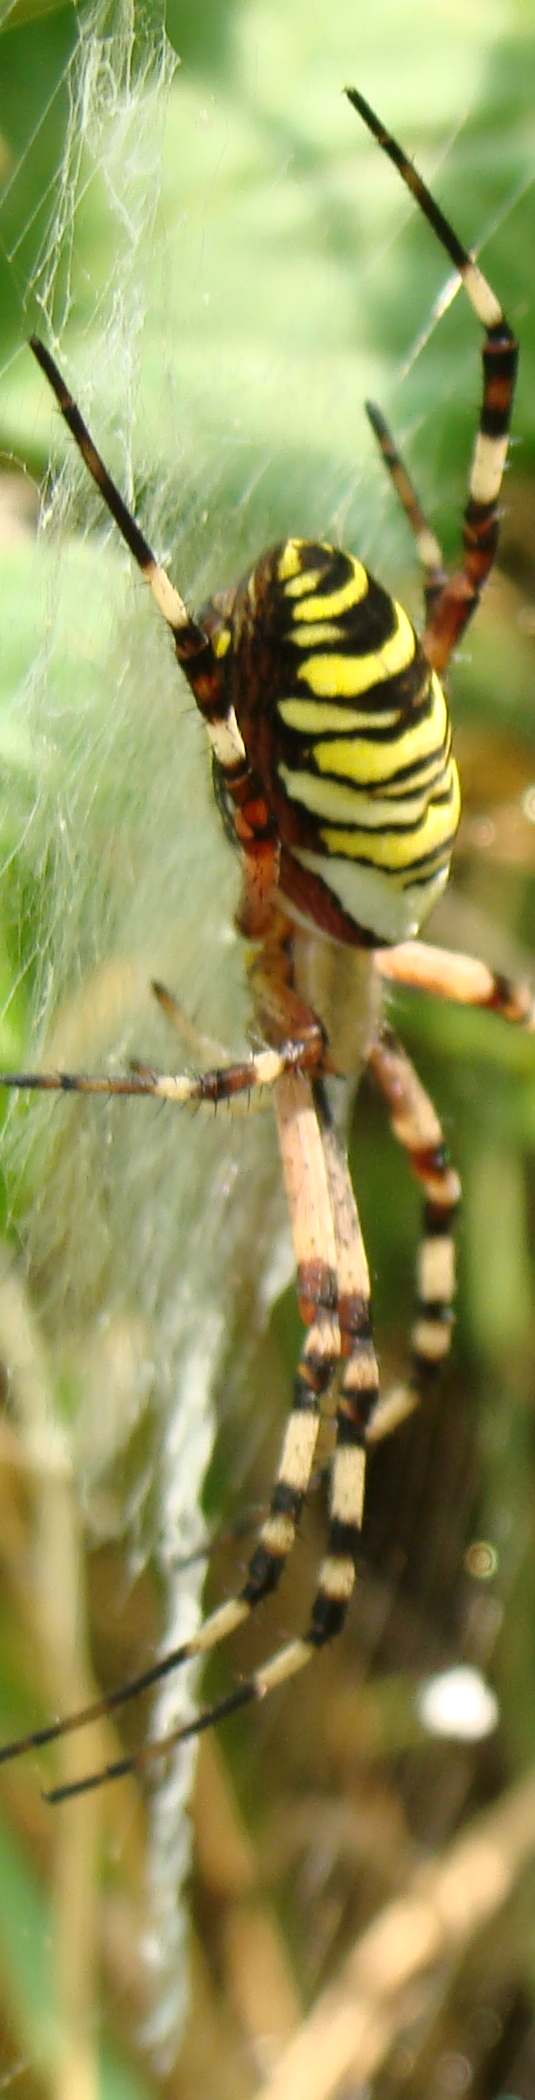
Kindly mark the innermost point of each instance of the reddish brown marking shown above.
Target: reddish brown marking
(316, 1290)
(507, 999)
(354, 1316)
(260, 865)
(451, 614)
(206, 683)
(429, 1160)
(282, 1013)
(252, 815)
(238, 783)
(498, 392)
(319, 904)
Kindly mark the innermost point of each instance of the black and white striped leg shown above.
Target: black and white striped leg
(358, 1388)
(316, 1249)
(452, 607)
(185, 630)
(221, 1083)
(193, 647)
(416, 1126)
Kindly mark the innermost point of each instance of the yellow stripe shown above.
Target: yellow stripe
(329, 675)
(221, 642)
(334, 602)
(309, 716)
(398, 852)
(290, 560)
(369, 763)
(299, 582)
(314, 636)
(345, 806)
(305, 581)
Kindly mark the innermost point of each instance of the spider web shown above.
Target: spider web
(144, 1242)
(154, 1248)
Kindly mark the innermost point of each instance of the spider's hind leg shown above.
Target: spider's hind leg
(333, 1290)
(416, 1126)
(357, 1392)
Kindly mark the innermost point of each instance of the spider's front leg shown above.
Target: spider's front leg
(219, 1083)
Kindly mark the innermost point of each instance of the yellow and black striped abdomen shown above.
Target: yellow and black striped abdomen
(348, 730)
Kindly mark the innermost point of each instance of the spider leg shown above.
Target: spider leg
(333, 1288)
(263, 1068)
(200, 661)
(200, 1044)
(427, 546)
(462, 978)
(416, 1126)
(315, 1248)
(357, 1393)
(185, 630)
(455, 603)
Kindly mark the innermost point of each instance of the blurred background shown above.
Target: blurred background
(338, 1897)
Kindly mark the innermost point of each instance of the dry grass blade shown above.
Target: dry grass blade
(357, 2020)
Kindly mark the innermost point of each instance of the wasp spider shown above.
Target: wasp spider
(331, 744)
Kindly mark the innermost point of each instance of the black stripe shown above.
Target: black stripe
(408, 683)
(421, 870)
(438, 1221)
(404, 693)
(494, 422)
(500, 354)
(305, 1391)
(366, 622)
(350, 1429)
(380, 831)
(398, 828)
(343, 1538)
(438, 757)
(263, 1574)
(426, 1370)
(333, 563)
(328, 1616)
(357, 633)
(476, 512)
(287, 1501)
(431, 863)
(437, 1310)
(415, 790)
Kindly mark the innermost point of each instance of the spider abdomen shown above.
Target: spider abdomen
(347, 729)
